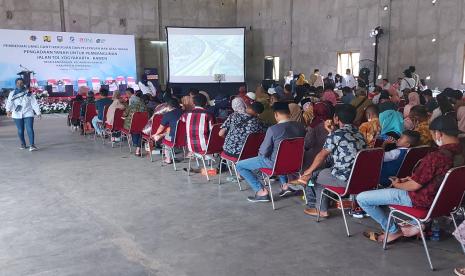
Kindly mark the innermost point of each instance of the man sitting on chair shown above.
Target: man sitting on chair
(198, 125)
(284, 129)
(343, 143)
(420, 189)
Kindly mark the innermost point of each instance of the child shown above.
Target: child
(393, 159)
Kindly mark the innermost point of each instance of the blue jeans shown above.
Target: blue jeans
(136, 139)
(372, 202)
(320, 178)
(248, 170)
(29, 123)
(96, 125)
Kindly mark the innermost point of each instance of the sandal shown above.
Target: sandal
(374, 236)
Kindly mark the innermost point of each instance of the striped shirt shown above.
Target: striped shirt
(198, 125)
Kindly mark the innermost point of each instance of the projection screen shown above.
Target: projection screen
(196, 55)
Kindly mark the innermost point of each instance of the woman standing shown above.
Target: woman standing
(21, 106)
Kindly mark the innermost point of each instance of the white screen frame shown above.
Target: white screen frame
(211, 31)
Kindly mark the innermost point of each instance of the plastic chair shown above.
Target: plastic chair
(289, 160)
(179, 142)
(249, 150)
(446, 203)
(411, 158)
(156, 121)
(214, 146)
(364, 176)
(138, 122)
(74, 113)
(90, 113)
(118, 123)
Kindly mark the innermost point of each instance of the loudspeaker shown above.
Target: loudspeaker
(49, 89)
(69, 90)
(268, 69)
(122, 88)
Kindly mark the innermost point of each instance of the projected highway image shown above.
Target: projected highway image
(206, 55)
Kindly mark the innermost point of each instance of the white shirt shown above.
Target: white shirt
(349, 81)
(288, 79)
(27, 101)
(407, 83)
(392, 154)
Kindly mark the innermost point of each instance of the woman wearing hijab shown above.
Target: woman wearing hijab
(392, 124)
(238, 105)
(307, 115)
(137, 106)
(301, 80)
(261, 95)
(296, 113)
(329, 96)
(117, 103)
(413, 100)
(240, 124)
(316, 132)
(21, 106)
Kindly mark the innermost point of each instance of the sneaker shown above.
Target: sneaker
(22, 147)
(286, 192)
(32, 148)
(358, 213)
(257, 198)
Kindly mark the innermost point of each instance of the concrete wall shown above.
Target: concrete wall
(305, 34)
(414, 23)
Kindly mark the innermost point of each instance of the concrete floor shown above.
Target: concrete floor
(77, 207)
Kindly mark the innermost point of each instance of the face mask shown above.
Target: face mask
(438, 142)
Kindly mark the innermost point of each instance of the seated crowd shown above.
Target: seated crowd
(335, 118)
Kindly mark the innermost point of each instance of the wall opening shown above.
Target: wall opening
(348, 60)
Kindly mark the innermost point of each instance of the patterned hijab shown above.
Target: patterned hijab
(296, 113)
(308, 113)
(238, 105)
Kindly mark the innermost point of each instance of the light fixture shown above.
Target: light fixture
(385, 7)
(434, 2)
(380, 76)
(158, 42)
(269, 57)
(433, 40)
(376, 32)
(428, 78)
(374, 43)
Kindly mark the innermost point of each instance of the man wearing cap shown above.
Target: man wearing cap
(284, 129)
(419, 189)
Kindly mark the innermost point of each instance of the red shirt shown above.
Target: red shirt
(198, 125)
(430, 173)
